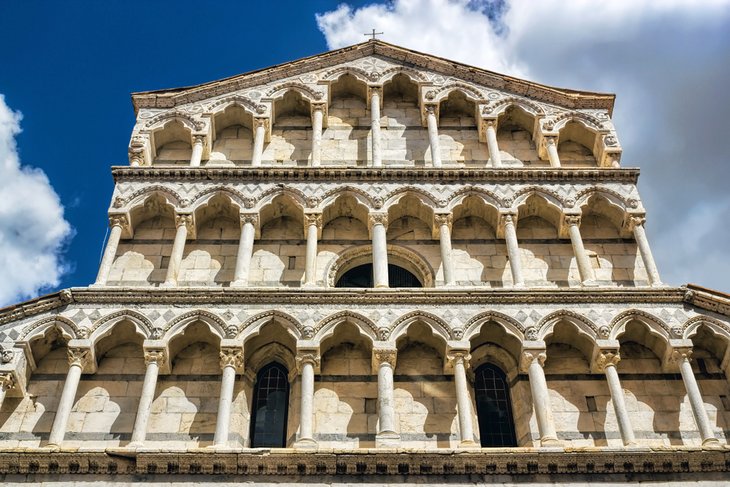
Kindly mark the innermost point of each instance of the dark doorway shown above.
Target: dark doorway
(362, 276)
(494, 409)
(270, 405)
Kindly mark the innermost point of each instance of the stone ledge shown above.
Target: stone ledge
(286, 461)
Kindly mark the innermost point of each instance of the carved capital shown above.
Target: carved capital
(455, 357)
(199, 139)
(550, 140)
(385, 356)
(118, 221)
(7, 381)
(259, 122)
(429, 109)
(377, 218)
(443, 219)
(572, 220)
(252, 218)
(313, 219)
(79, 356)
(635, 221)
(606, 358)
(307, 358)
(184, 219)
(680, 354)
(528, 357)
(231, 357)
(154, 356)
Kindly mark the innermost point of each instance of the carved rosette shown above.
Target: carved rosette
(231, 357)
(530, 356)
(607, 358)
(154, 356)
(385, 356)
(79, 357)
(7, 381)
(304, 358)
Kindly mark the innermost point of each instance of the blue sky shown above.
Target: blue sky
(69, 67)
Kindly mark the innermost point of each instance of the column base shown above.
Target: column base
(135, 445)
(551, 443)
(167, 284)
(238, 284)
(309, 285)
(387, 439)
(519, 285)
(305, 443)
(711, 442)
(469, 444)
(589, 284)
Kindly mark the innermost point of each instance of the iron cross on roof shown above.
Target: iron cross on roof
(373, 33)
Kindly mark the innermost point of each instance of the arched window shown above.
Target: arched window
(270, 404)
(362, 276)
(496, 426)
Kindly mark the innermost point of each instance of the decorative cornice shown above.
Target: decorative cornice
(517, 463)
(347, 174)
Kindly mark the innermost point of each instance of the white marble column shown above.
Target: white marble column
(306, 363)
(77, 359)
(532, 361)
(433, 135)
(584, 264)
(231, 362)
(637, 226)
(317, 118)
(378, 223)
(182, 222)
(607, 360)
(313, 222)
(7, 382)
(258, 141)
(513, 249)
(197, 154)
(153, 358)
(681, 357)
(384, 360)
(377, 153)
(117, 224)
(245, 249)
(492, 146)
(443, 221)
(551, 143)
(460, 360)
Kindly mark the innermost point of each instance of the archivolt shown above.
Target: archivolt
(267, 196)
(245, 103)
(550, 196)
(335, 74)
(412, 74)
(255, 323)
(360, 195)
(308, 93)
(614, 197)
(426, 198)
(511, 325)
(618, 324)
(236, 197)
(470, 92)
(328, 324)
(109, 321)
(187, 120)
(690, 327)
(139, 196)
(546, 325)
(487, 196)
(66, 326)
(586, 120)
(400, 325)
(215, 322)
(531, 108)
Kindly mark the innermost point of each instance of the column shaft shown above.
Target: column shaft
(178, 248)
(317, 116)
(552, 150)
(695, 400)
(258, 143)
(245, 250)
(65, 404)
(139, 434)
(584, 264)
(513, 252)
(310, 269)
(380, 255)
(463, 402)
(619, 405)
(197, 154)
(541, 402)
(225, 400)
(492, 145)
(646, 256)
(375, 127)
(386, 402)
(446, 254)
(307, 404)
(109, 253)
(433, 136)
(6, 383)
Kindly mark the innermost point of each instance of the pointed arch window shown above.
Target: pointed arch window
(270, 407)
(494, 408)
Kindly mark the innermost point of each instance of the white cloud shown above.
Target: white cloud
(665, 59)
(32, 228)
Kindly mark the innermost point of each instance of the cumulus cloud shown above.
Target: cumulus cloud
(32, 228)
(666, 61)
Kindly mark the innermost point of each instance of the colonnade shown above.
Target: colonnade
(532, 358)
(377, 222)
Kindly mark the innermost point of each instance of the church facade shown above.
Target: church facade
(370, 265)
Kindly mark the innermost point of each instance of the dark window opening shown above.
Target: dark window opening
(362, 276)
(270, 405)
(496, 426)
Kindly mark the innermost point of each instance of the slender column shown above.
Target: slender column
(444, 225)
(492, 145)
(532, 361)
(681, 357)
(197, 154)
(258, 141)
(378, 222)
(77, 359)
(178, 248)
(7, 382)
(245, 249)
(433, 135)
(607, 361)
(513, 249)
(384, 360)
(551, 143)
(637, 225)
(231, 361)
(584, 264)
(460, 361)
(117, 223)
(317, 117)
(375, 125)
(313, 223)
(306, 363)
(153, 359)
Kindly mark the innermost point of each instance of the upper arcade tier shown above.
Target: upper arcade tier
(374, 105)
